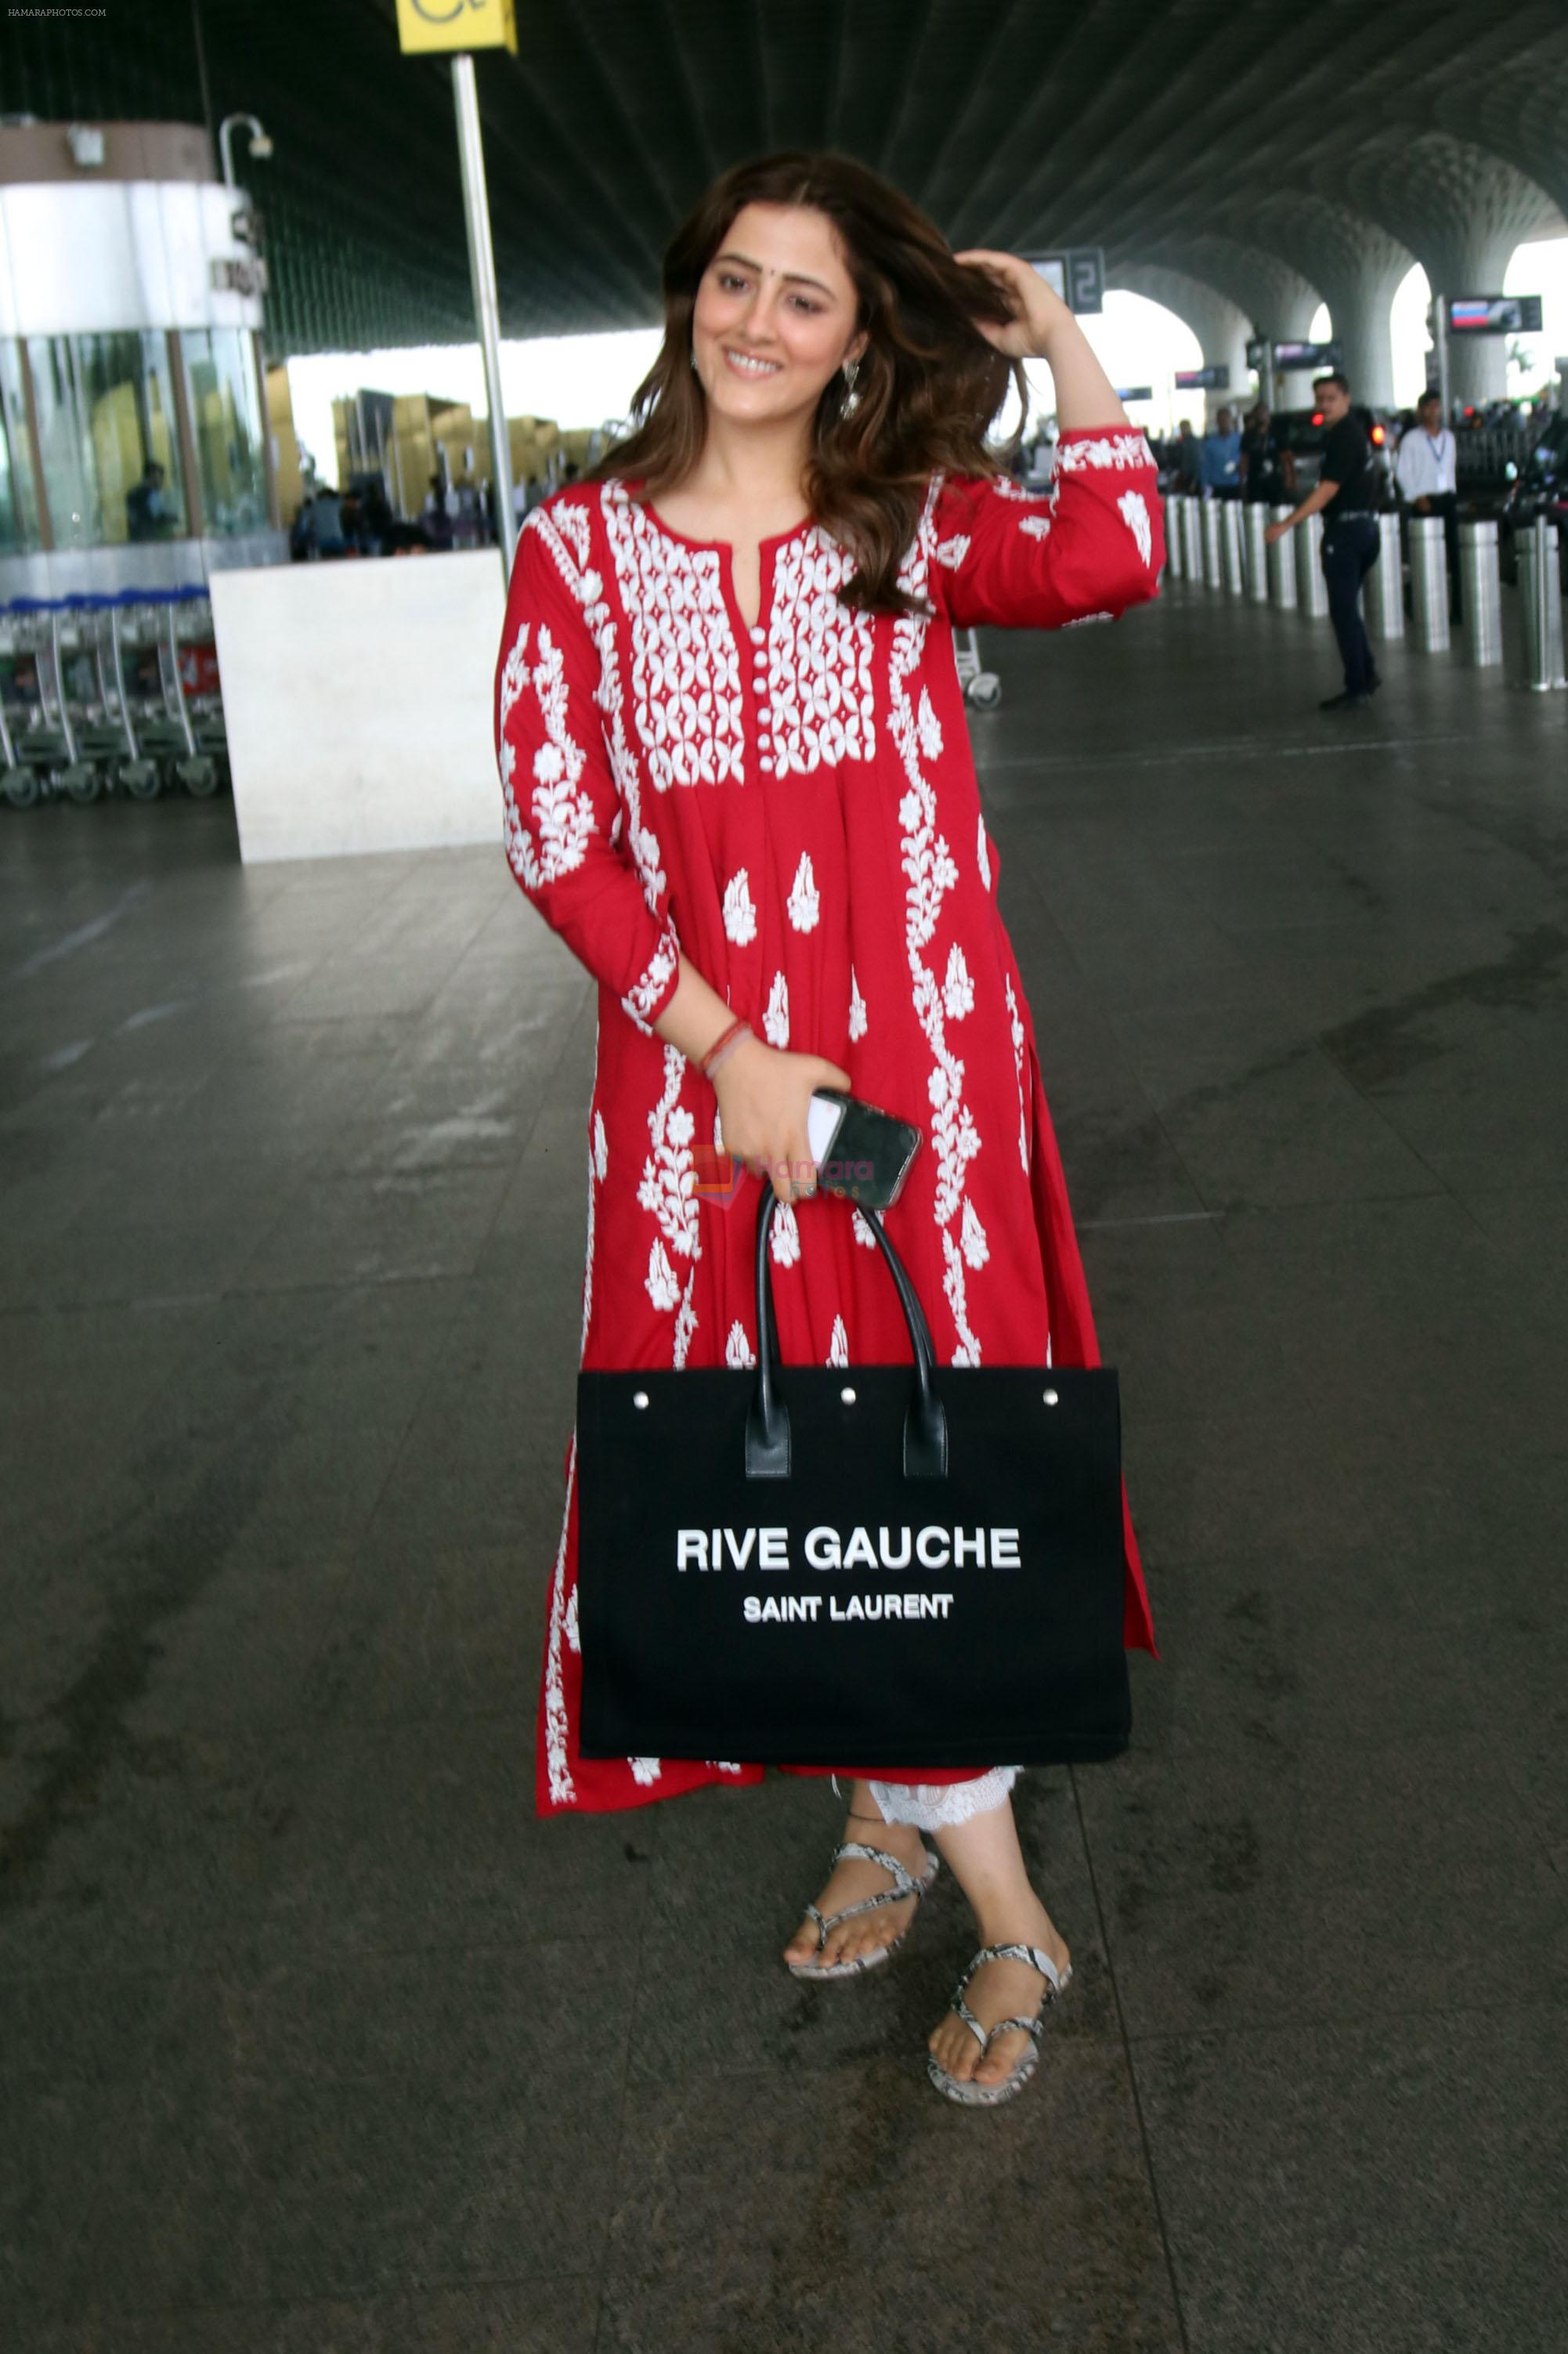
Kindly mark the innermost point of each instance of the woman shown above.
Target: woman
(737, 782)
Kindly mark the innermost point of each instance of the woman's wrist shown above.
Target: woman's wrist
(724, 1046)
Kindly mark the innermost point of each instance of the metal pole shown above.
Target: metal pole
(1385, 583)
(1483, 594)
(1192, 539)
(1440, 344)
(1230, 526)
(1542, 610)
(1429, 583)
(486, 307)
(1208, 522)
(1282, 565)
(1257, 520)
(1311, 589)
(1173, 550)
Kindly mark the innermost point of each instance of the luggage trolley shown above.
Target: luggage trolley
(982, 687)
(44, 754)
(147, 624)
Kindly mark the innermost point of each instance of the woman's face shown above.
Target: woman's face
(774, 314)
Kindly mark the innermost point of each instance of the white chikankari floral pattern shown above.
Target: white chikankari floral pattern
(791, 805)
(1104, 450)
(804, 903)
(819, 660)
(1133, 509)
(776, 1020)
(686, 667)
(739, 910)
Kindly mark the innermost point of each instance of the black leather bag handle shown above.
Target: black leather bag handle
(768, 1420)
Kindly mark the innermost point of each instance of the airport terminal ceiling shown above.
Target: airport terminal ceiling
(1269, 153)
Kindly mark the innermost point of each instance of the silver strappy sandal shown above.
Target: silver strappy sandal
(987, 2096)
(904, 1885)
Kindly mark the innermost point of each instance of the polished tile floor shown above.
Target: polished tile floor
(313, 2037)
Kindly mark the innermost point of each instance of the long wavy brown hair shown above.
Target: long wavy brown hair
(929, 384)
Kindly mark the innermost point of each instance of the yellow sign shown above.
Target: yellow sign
(456, 25)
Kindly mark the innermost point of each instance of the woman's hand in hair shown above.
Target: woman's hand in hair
(764, 1093)
(1039, 312)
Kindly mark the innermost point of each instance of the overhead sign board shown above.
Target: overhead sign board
(1306, 355)
(1258, 352)
(1135, 392)
(1077, 274)
(456, 25)
(1493, 314)
(1205, 379)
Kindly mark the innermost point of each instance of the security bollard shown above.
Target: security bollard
(1541, 597)
(1282, 566)
(1231, 530)
(1213, 571)
(1192, 540)
(1173, 551)
(1384, 596)
(1429, 583)
(1311, 589)
(1255, 515)
(1483, 593)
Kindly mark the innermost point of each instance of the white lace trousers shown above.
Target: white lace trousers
(936, 1805)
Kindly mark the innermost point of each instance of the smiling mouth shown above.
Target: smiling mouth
(743, 364)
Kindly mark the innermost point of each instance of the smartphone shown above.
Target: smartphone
(861, 1152)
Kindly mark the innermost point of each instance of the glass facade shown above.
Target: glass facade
(226, 425)
(19, 531)
(108, 438)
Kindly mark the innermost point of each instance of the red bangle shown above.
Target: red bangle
(723, 1039)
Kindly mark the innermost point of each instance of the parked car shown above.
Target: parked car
(1302, 432)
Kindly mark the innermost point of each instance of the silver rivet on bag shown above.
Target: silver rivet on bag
(848, 1396)
(1050, 1397)
(638, 1398)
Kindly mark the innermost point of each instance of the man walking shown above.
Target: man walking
(1344, 496)
(1219, 460)
(1427, 481)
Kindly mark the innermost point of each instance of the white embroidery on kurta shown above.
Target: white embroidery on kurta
(859, 1229)
(645, 1769)
(557, 1773)
(804, 902)
(776, 1020)
(982, 854)
(1133, 509)
(600, 1143)
(564, 529)
(951, 553)
(737, 1350)
(686, 667)
(719, 1768)
(1082, 620)
(929, 726)
(1035, 527)
(958, 989)
(667, 1183)
(1015, 1023)
(1105, 449)
(930, 872)
(740, 914)
(574, 1640)
(838, 1343)
(820, 670)
(784, 1241)
(686, 1323)
(857, 1023)
(559, 805)
(977, 1250)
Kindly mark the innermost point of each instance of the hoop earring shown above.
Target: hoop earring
(852, 397)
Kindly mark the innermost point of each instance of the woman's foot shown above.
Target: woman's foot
(1001, 1990)
(854, 1879)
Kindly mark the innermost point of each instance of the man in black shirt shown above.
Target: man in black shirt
(1267, 471)
(1347, 489)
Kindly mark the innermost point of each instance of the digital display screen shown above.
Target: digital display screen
(1493, 314)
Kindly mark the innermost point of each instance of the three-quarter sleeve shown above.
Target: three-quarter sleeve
(1088, 549)
(572, 841)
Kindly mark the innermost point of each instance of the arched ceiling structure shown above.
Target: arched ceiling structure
(1264, 149)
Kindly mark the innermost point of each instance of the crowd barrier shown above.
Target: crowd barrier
(1218, 544)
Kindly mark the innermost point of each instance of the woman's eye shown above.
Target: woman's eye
(806, 304)
(728, 280)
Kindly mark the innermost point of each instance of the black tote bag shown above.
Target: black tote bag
(870, 1565)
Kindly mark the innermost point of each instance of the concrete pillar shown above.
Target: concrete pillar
(1472, 263)
(1360, 300)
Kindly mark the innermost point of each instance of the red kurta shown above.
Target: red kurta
(795, 806)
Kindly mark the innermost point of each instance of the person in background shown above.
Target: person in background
(148, 511)
(1220, 458)
(1426, 478)
(1268, 471)
(1346, 496)
(1189, 458)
